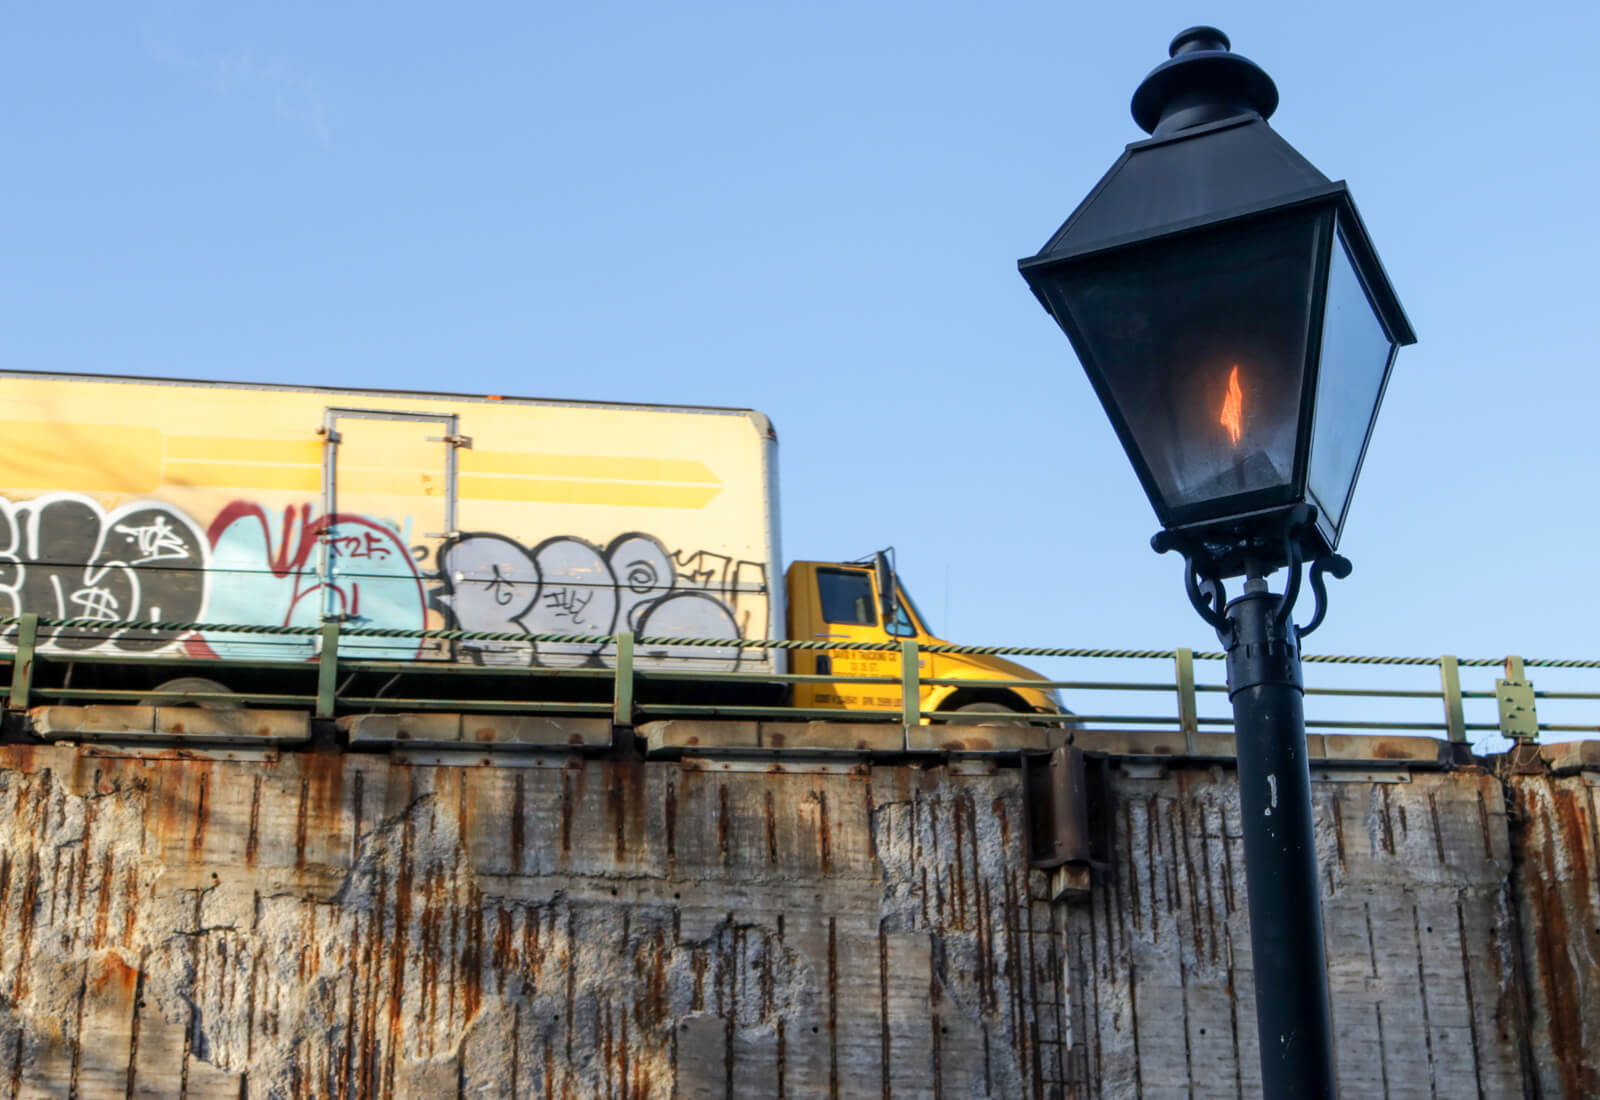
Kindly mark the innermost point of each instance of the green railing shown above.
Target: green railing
(329, 678)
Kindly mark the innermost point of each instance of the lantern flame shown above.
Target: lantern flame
(1233, 408)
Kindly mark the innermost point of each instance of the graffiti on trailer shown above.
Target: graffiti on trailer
(565, 585)
(63, 556)
(270, 570)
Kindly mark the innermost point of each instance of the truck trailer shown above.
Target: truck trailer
(218, 508)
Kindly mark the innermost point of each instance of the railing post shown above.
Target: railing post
(910, 684)
(1188, 713)
(1454, 717)
(622, 686)
(22, 661)
(1519, 718)
(328, 669)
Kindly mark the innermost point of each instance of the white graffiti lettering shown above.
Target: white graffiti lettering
(63, 556)
(564, 585)
(157, 541)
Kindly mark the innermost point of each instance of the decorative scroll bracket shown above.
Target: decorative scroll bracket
(1204, 586)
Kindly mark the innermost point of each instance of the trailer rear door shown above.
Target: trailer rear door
(389, 497)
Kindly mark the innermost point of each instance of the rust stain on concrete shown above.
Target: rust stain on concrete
(320, 925)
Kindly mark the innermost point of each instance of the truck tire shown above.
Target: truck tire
(171, 693)
(1012, 717)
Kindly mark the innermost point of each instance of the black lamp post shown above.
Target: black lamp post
(1235, 322)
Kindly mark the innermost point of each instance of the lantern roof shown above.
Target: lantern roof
(1212, 159)
(1198, 176)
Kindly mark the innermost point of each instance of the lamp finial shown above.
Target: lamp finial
(1204, 81)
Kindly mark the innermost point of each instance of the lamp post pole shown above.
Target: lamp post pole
(1262, 642)
(1280, 856)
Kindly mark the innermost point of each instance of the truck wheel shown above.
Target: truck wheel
(1012, 718)
(172, 692)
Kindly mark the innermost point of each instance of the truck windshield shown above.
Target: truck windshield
(902, 627)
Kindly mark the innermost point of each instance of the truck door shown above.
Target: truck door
(841, 604)
(389, 497)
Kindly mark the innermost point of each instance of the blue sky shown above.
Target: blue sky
(817, 213)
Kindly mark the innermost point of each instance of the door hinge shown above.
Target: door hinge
(330, 436)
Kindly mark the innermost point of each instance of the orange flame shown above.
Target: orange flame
(1233, 408)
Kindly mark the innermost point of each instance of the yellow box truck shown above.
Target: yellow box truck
(225, 505)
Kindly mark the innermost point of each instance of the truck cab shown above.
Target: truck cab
(865, 602)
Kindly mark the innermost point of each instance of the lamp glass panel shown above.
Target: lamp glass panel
(1356, 352)
(1200, 343)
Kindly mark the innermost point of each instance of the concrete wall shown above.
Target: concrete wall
(1419, 929)
(783, 922)
(1556, 844)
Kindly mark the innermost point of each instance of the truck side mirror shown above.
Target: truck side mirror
(886, 587)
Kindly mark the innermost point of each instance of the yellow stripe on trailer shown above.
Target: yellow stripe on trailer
(586, 467)
(230, 448)
(561, 491)
(122, 458)
(242, 475)
(86, 458)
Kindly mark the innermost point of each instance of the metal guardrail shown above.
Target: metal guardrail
(1515, 697)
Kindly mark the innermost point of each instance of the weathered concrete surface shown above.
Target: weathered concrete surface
(347, 925)
(1557, 845)
(1419, 929)
(341, 926)
(230, 725)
